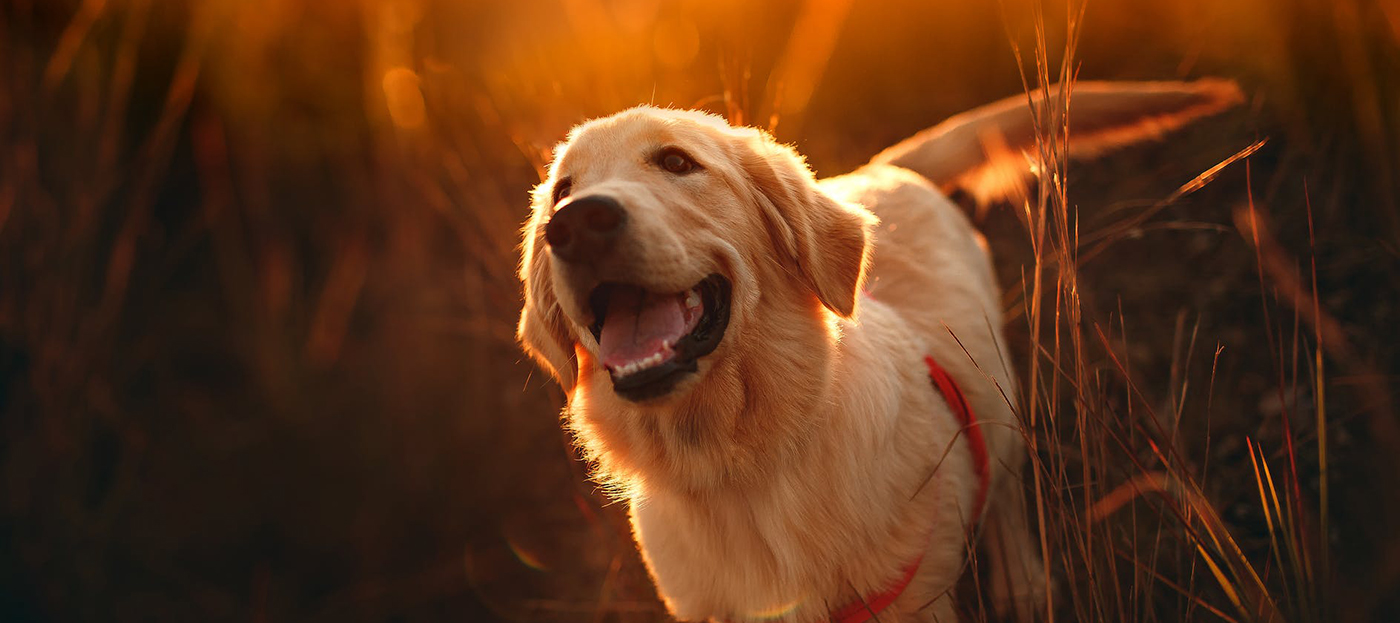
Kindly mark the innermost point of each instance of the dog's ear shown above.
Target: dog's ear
(828, 240)
(543, 330)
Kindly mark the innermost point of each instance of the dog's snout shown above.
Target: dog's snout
(584, 229)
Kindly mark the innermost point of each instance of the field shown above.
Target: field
(258, 295)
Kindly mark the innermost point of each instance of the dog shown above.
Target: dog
(800, 387)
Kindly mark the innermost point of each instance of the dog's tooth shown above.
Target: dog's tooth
(633, 367)
(692, 298)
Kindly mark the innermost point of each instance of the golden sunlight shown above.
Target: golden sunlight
(404, 98)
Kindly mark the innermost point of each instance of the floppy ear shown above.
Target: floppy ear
(542, 329)
(828, 240)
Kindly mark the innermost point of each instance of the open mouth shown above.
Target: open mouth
(650, 341)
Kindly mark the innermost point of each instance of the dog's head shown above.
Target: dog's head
(665, 241)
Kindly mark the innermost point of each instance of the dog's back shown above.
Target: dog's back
(928, 265)
(931, 266)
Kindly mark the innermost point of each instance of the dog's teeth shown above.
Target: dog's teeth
(633, 367)
(692, 299)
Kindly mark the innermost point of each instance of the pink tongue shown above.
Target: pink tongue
(638, 325)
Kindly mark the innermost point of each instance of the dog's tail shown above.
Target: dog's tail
(989, 153)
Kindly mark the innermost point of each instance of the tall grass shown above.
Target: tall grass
(1125, 516)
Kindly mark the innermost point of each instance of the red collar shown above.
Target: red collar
(958, 403)
(867, 608)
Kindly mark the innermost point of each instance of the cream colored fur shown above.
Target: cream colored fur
(809, 459)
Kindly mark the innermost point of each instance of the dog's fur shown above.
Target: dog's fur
(809, 459)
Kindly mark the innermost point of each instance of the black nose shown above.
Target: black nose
(583, 229)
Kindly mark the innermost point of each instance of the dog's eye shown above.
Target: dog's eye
(562, 188)
(673, 160)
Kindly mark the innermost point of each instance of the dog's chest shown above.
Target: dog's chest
(843, 518)
(726, 560)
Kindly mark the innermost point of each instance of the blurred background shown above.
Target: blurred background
(257, 293)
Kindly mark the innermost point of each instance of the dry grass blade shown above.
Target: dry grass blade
(1320, 388)
(69, 43)
(1109, 235)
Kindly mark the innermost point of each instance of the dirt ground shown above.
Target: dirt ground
(257, 289)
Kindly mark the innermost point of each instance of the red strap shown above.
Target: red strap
(958, 402)
(868, 608)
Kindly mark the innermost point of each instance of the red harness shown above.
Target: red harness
(868, 608)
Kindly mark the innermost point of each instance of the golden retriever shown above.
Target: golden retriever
(743, 348)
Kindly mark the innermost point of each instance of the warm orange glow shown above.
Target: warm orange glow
(405, 100)
(677, 42)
